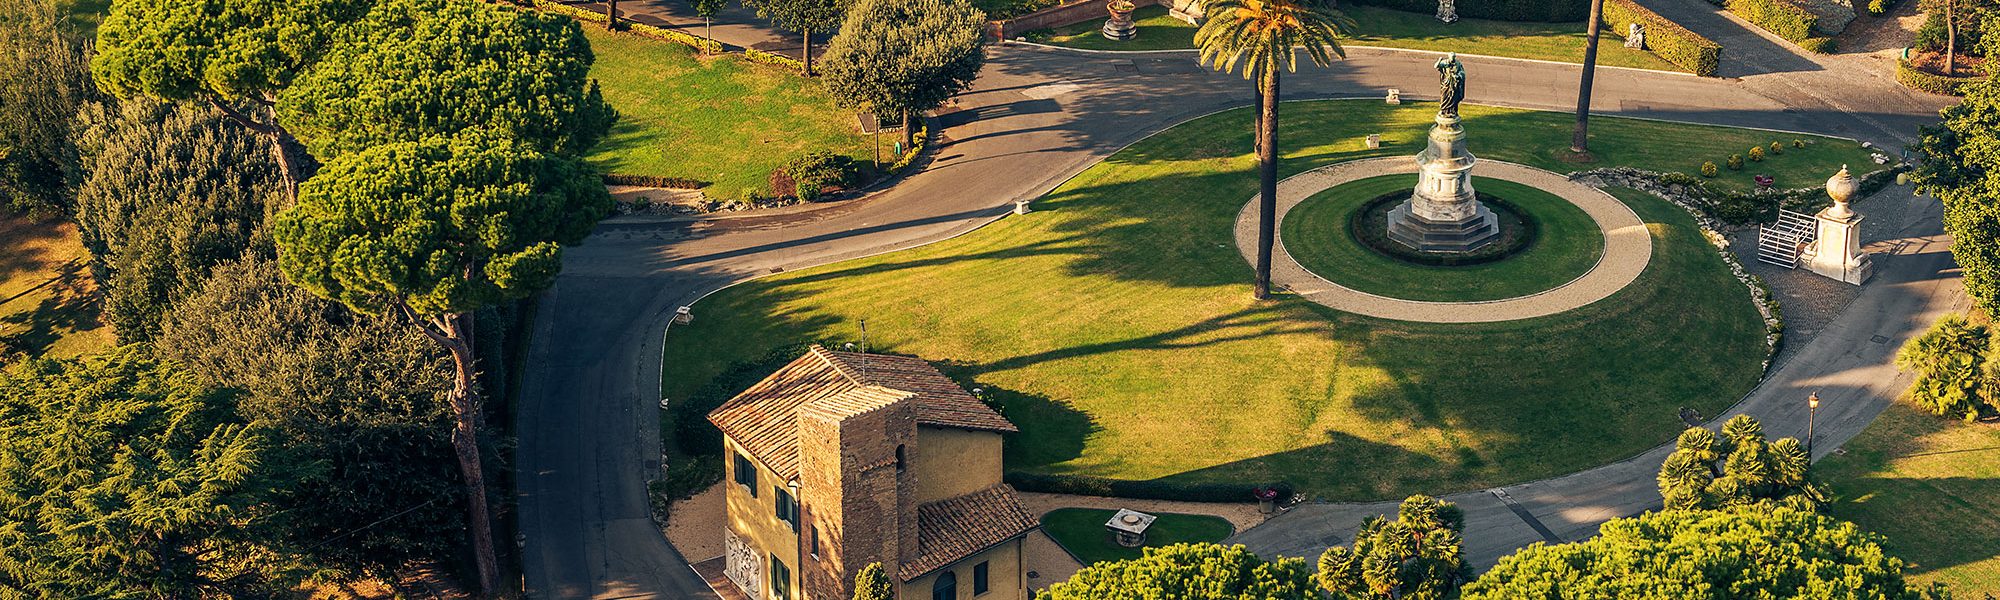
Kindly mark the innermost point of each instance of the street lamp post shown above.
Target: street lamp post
(1812, 415)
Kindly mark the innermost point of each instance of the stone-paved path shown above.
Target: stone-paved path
(1628, 246)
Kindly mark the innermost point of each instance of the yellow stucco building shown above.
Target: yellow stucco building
(841, 459)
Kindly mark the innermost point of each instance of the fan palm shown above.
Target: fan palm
(1264, 36)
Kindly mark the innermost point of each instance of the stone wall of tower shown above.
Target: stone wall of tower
(857, 495)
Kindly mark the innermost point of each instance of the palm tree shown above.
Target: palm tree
(1580, 140)
(1264, 36)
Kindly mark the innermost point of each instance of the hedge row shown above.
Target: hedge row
(1676, 44)
(1551, 11)
(1918, 79)
(676, 183)
(760, 56)
(1142, 490)
(1787, 20)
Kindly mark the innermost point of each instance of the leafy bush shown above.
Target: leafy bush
(1188, 572)
(808, 176)
(1086, 485)
(1881, 7)
(677, 183)
(760, 56)
(1740, 466)
(1708, 169)
(1785, 19)
(1735, 162)
(1757, 154)
(1798, 143)
(1425, 542)
(1672, 42)
(1924, 81)
(1777, 148)
(1956, 364)
(1549, 11)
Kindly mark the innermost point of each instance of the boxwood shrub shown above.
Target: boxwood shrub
(1552, 11)
(1918, 79)
(1676, 44)
(1787, 20)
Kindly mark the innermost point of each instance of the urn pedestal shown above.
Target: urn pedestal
(1119, 26)
(1444, 213)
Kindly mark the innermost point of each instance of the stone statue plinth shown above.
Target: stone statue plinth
(1836, 253)
(1444, 214)
(1119, 27)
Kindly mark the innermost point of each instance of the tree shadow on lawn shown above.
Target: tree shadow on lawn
(1934, 523)
(67, 304)
(26, 246)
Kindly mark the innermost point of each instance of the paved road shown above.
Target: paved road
(587, 440)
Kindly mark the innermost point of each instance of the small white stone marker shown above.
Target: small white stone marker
(684, 315)
(1395, 96)
(1021, 207)
(1373, 141)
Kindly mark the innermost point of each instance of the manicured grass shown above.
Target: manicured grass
(1561, 42)
(1007, 9)
(1316, 234)
(722, 120)
(1081, 531)
(1115, 327)
(48, 300)
(1932, 486)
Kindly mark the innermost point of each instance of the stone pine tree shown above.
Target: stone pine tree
(1263, 38)
(871, 584)
(1960, 165)
(434, 230)
(1737, 467)
(905, 56)
(1188, 572)
(1418, 556)
(805, 17)
(421, 68)
(234, 56)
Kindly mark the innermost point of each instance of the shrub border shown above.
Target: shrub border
(1924, 81)
(1667, 39)
(1786, 20)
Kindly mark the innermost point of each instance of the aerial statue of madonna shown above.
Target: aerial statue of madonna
(1444, 214)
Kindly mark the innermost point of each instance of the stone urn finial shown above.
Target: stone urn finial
(1841, 188)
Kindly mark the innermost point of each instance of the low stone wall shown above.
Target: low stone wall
(1067, 14)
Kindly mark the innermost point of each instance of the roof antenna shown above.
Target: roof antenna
(864, 351)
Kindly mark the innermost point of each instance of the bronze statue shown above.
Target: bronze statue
(1451, 85)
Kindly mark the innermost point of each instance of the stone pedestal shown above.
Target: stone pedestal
(1444, 214)
(1836, 253)
(1185, 10)
(1119, 26)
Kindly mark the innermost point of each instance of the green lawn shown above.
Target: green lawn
(1932, 486)
(722, 120)
(1081, 531)
(48, 299)
(1115, 327)
(1561, 42)
(1316, 234)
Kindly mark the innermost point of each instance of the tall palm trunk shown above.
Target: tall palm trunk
(1267, 169)
(611, 15)
(454, 333)
(808, 52)
(1580, 141)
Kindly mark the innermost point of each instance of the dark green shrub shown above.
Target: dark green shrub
(1676, 44)
(1708, 169)
(1757, 154)
(1918, 79)
(808, 176)
(1777, 148)
(1798, 143)
(677, 183)
(1785, 19)
(1735, 162)
(1881, 7)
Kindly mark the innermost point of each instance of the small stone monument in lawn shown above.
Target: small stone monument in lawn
(1837, 251)
(1635, 37)
(1444, 214)
(1373, 141)
(1395, 96)
(1129, 526)
(1448, 11)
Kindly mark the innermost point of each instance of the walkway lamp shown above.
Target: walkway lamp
(1812, 415)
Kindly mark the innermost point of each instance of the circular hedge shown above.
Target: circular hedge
(1370, 226)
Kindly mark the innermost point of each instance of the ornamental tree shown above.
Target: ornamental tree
(222, 53)
(1188, 572)
(1418, 556)
(1954, 364)
(1960, 165)
(906, 56)
(122, 479)
(1738, 467)
(48, 79)
(421, 68)
(871, 584)
(1675, 554)
(805, 17)
(432, 230)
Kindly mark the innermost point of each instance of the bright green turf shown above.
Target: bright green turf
(1315, 233)
(1081, 531)
(1561, 42)
(1932, 486)
(722, 120)
(1115, 325)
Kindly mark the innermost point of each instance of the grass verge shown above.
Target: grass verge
(1114, 325)
(1081, 531)
(1932, 486)
(1316, 234)
(48, 299)
(719, 119)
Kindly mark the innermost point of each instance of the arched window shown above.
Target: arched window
(899, 458)
(946, 587)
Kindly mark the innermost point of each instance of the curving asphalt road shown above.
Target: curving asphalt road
(587, 440)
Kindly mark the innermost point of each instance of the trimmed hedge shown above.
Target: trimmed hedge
(760, 56)
(1676, 44)
(1784, 19)
(1918, 79)
(1551, 11)
(705, 45)
(1085, 485)
(676, 183)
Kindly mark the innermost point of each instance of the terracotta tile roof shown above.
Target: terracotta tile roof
(764, 418)
(950, 530)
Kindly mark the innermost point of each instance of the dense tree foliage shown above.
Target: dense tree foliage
(168, 193)
(422, 68)
(1740, 466)
(1672, 555)
(1955, 367)
(806, 17)
(905, 57)
(1960, 164)
(432, 230)
(1418, 556)
(357, 402)
(122, 479)
(871, 584)
(47, 80)
(1189, 572)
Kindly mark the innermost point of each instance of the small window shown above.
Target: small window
(781, 580)
(899, 458)
(979, 578)
(785, 506)
(946, 587)
(746, 474)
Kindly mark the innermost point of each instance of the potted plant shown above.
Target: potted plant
(1121, 9)
(1267, 499)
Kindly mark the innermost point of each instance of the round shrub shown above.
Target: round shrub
(1708, 169)
(1798, 143)
(1735, 162)
(1777, 148)
(1757, 154)
(806, 177)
